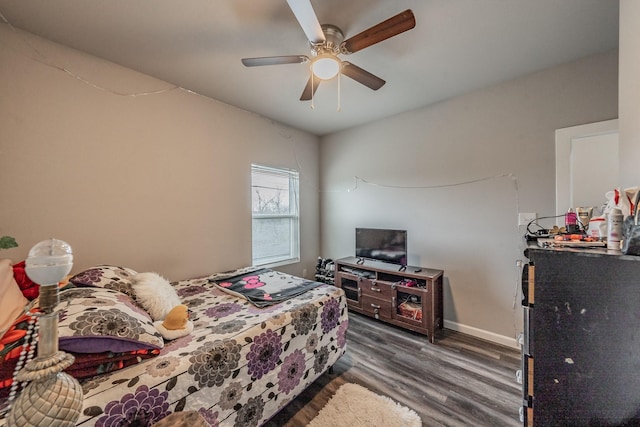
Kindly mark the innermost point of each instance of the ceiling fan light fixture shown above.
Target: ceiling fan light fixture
(325, 66)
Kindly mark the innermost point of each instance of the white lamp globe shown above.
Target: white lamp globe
(49, 262)
(325, 66)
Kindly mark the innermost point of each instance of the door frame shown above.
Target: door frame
(564, 137)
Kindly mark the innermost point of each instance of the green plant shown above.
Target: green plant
(7, 242)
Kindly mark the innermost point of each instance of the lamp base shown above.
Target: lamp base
(52, 398)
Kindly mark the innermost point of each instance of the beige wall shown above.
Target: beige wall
(157, 182)
(455, 175)
(629, 94)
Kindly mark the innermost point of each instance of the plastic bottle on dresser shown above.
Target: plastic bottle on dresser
(571, 221)
(614, 229)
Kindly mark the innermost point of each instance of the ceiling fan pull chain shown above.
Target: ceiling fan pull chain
(312, 106)
(339, 80)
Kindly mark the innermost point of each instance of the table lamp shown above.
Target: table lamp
(52, 397)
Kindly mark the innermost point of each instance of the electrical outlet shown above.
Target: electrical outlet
(524, 218)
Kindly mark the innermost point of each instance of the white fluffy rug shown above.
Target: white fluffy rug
(354, 406)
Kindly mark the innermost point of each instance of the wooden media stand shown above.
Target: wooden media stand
(409, 297)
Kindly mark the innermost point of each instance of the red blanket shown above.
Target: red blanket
(85, 364)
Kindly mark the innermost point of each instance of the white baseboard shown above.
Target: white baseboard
(481, 333)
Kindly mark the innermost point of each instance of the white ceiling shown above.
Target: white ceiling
(457, 46)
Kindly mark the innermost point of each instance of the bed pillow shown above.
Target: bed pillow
(13, 301)
(95, 320)
(29, 289)
(106, 276)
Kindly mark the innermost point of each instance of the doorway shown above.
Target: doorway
(587, 165)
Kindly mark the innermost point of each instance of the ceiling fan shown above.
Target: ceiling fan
(327, 42)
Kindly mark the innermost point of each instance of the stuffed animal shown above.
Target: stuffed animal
(176, 324)
(155, 294)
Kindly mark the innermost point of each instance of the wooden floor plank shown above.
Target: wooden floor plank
(459, 381)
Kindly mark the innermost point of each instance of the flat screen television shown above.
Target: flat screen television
(382, 245)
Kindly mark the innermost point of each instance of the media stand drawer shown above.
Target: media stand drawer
(376, 289)
(378, 308)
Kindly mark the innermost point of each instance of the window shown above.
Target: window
(275, 219)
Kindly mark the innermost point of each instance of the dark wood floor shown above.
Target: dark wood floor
(459, 381)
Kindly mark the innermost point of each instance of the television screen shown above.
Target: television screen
(382, 245)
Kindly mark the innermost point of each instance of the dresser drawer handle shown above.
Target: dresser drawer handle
(374, 289)
(376, 306)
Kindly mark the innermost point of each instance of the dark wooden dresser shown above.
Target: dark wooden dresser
(581, 341)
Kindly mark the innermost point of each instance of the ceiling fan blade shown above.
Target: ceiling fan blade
(308, 20)
(362, 76)
(393, 26)
(306, 93)
(274, 60)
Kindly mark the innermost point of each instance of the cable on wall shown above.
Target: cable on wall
(424, 187)
(42, 59)
(510, 176)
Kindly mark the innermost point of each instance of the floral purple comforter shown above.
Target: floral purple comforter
(239, 366)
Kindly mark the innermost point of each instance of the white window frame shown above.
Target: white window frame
(293, 215)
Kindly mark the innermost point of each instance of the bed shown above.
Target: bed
(241, 363)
